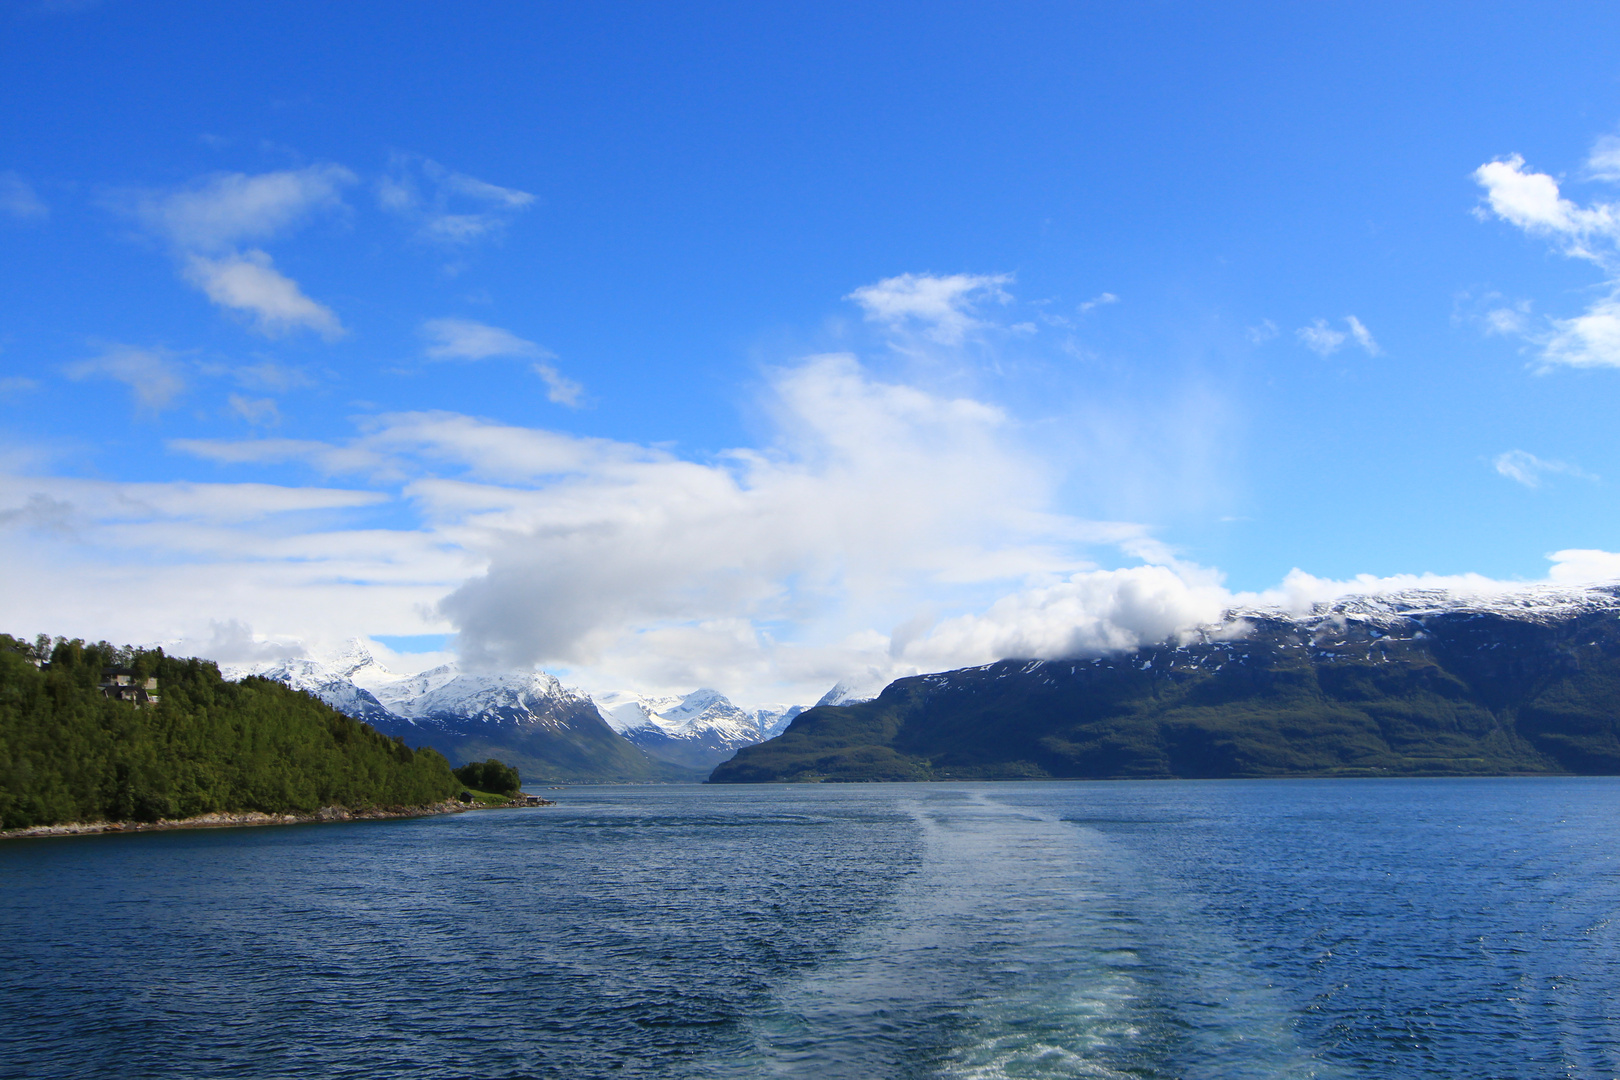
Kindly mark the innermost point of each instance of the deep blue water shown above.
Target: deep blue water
(1425, 928)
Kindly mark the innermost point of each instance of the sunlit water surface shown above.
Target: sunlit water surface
(1215, 929)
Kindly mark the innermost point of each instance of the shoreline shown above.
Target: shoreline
(239, 819)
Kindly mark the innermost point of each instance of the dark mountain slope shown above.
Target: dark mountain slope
(1388, 687)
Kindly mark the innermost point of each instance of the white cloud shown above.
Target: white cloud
(1509, 320)
(1097, 301)
(1532, 202)
(465, 339)
(247, 282)
(219, 212)
(18, 201)
(1090, 613)
(207, 221)
(1591, 339)
(1262, 333)
(941, 307)
(1527, 469)
(153, 377)
(1603, 163)
(1320, 338)
(448, 206)
(559, 388)
(1363, 336)
(1323, 340)
(881, 530)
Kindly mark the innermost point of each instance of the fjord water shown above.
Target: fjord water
(1395, 928)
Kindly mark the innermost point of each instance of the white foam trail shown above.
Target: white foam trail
(1025, 946)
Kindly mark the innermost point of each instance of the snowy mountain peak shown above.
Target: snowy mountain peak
(850, 692)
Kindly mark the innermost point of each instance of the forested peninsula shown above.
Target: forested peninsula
(87, 736)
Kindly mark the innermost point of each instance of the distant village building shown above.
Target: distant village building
(120, 685)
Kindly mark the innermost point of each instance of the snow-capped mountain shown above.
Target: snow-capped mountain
(851, 692)
(698, 730)
(530, 716)
(1419, 682)
(529, 719)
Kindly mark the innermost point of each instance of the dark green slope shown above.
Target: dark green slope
(69, 754)
(1450, 693)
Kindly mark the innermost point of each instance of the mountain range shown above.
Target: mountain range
(530, 720)
(1422, 682)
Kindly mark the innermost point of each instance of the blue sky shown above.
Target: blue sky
(763, 345)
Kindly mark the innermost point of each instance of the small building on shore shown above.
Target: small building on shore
(121, 684)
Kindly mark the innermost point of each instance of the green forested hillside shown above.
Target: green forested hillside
(1450, 694)
(69, 754)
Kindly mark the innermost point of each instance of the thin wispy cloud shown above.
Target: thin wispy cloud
(219, 212)
(448, 207)
(1320, 338)
(248, 283)
(1526, 468)
(207, 221)
(18, 200)
(941, 308)
(467, 339)
(1098, 301)
(1323, 340)
(155, 379)
(260, 412)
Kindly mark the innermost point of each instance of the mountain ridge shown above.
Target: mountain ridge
(1421, 682)
(529, 719)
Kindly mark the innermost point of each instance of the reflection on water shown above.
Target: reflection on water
(1172, 929)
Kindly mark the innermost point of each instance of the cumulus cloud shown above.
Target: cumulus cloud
(1527, 469)
(465, 339)
(1089, 614)
(1324, 340)
(868, 483)
(154, 377)
(247, 282)
(881, 529)
(448, 207)
(18, 201)
(1591, 339)
(1534, 203)
(940, 308)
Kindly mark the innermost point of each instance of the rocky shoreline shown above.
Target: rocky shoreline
(238, 820)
